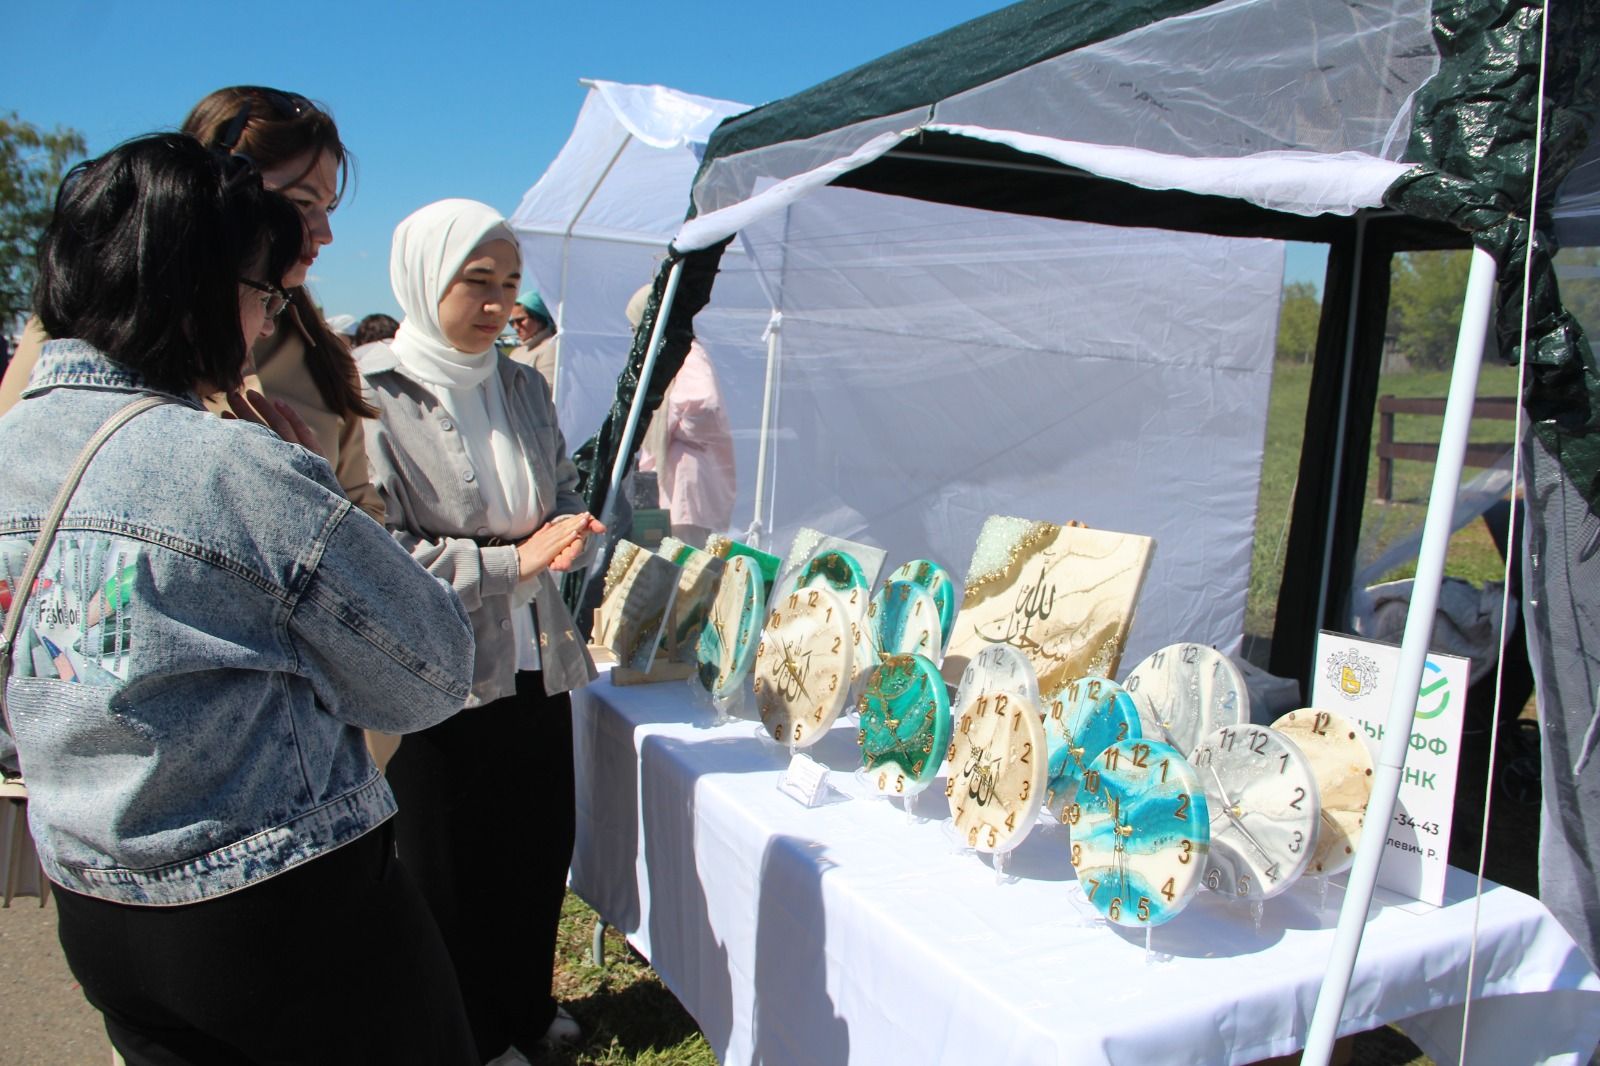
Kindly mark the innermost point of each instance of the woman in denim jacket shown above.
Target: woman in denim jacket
(475, 477)
(213, 627)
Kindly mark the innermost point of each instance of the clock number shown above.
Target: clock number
(1272, 873)
(797, 731)
(836, 642)
(833, 685)
(1144, 908)
(1244, 885)
(1016, 722)
(1115, 910)
(1132, 684)
(1170, 889)
(1071, 813)
(1258, 742)
(1158, 658)
(972, 837)
(1110, 757)
(1202, 757)
(855, 596)
(872, 609)
(1191, 654)
(1094, 886)
(811, 599)
(758, 686)
(950, 753)
(1001, 700)
(1283, 765)
(1299, 839)
(761, 649)
(1011, 823)
(905, 593)
(1027, 787)
(1141, 754)
(1055, 710)
(1299, 794)
(1122, 732)
(1214, 880)
(966, 724)
(776, 620)
(1164, 763)
(900, 782)
(1228, 737)
(1186, 855)
(982, 706)
(1027, 750)
(924, 641)
(949, 787)
(829, 616)
(1094, 690)
(1182, 810)
(861, 737)
(1319, 724)
(883, 780)
(1077, 854)
(777, 731)
(1091, 780)
(1074, 692)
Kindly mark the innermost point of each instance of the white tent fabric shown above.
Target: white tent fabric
(928, 365)
(597, 222)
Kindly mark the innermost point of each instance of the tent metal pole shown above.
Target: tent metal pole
(774, 347)
(1343, 422)
(1413, 654)
(658, 336)
(566, 250)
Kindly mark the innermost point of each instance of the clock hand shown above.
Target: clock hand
(794, 671)
(1235, 815)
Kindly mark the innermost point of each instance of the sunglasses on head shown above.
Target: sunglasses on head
(281, 105)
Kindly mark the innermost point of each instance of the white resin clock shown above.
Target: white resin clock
(1185, 692)
(1262, 796)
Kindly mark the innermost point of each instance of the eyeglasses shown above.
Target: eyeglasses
(274, 299)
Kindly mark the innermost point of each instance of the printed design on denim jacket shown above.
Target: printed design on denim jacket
(79, 625)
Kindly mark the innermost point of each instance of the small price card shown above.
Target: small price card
(805, 781)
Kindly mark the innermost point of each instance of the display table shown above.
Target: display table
(849, 933)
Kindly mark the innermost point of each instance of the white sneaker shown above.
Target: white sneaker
(564, 1030)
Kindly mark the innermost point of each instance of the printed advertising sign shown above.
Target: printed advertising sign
(1356, 678)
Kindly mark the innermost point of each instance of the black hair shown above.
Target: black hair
(376, 327)
(144, 253)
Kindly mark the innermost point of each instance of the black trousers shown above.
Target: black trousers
(335, 960)
(486, 825)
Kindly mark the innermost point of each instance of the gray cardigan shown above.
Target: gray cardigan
(435, 509)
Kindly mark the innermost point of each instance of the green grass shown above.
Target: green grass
(1472, 552)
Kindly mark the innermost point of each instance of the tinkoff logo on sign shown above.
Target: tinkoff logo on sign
(1352, 674)
(1434, 695)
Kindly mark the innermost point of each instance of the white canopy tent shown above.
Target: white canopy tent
(897, 370)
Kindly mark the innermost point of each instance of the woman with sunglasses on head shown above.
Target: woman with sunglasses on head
(198, 630)
(295, 147)
(476, 482)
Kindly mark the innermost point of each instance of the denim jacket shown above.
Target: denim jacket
(213, 627)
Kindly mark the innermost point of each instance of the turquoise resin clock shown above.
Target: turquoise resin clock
(1089, 716)
(1140, 833)
(728, 640)
(905, 725)
(937, 582)
(904, 619)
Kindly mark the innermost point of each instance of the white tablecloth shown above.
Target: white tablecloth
(848, 933)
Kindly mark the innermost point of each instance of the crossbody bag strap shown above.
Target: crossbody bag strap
(47, 534)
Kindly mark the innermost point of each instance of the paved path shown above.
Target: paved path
(44, 1019)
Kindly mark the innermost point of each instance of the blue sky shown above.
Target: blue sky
(435, 100)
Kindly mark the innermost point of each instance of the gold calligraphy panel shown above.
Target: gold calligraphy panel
(1062, 595)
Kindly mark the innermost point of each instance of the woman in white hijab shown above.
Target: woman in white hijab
(476, 482)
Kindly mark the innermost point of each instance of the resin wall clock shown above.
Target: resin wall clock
(1186, 691)
(802, 671)
(904, 619)
(937, 582)
(1140, 833)
(1090, 715)
(1342, 766)
(1262, 796)
(997, 770)
(729, 638)
(905, 725)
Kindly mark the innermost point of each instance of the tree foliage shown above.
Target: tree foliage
(32, 162)
(1299, 312)
(1425, 296)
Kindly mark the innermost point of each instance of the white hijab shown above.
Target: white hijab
(430, 246)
